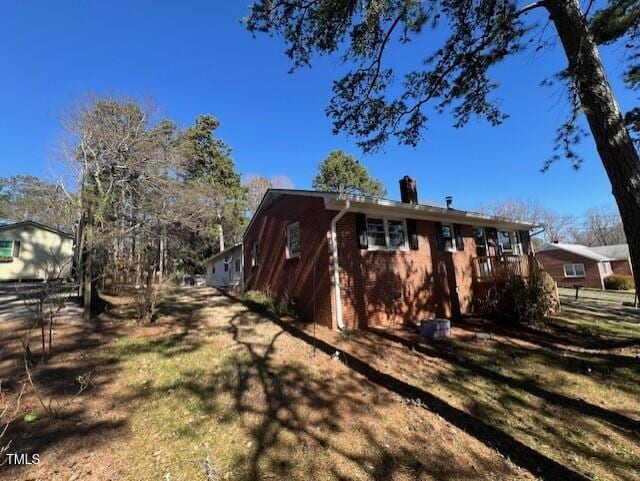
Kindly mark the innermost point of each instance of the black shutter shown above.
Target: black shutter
(492, 235)
(361, 230)
(524, 241)
(412, 234)
(457, 231)
(439, 237)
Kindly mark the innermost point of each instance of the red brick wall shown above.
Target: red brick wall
(403, 287)
(553, 262)
(284, 278)
(377, 287)
(622, 268)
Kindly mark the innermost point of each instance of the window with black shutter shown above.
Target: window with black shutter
(445, 237)
(412, 234)
(361, 230)
(457, 229)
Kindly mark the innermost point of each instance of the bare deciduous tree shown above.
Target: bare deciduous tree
(45, 302)
(257, 185)
(601, 226)
(556, 226)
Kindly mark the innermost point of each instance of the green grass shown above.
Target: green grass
(213, 394)
(177, 399)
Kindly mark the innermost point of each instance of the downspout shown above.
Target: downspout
(336, 265)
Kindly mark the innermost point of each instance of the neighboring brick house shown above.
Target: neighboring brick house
(575, 264)
(350, 261)
(620, 258)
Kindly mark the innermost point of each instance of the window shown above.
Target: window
(227, 261)
(255, 255)
(6, 248)
(517, 243)
(481, 241)
(386, 234)
(606, 268)
(375, 232)
(504, 241)
(574, 270)
(484, 263)
(396, 233)
(447, 237)
(293, 240)
(237, 265)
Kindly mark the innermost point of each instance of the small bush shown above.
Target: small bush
(265, 303)
(618, 283)
(516, 301)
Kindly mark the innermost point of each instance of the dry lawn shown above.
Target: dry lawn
(215, 390)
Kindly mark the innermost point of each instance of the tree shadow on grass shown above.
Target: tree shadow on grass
(628, 426)
(296, 417)
(551, 335)
(78, 419)
(522, 455)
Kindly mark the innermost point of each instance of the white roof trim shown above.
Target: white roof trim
(366, 204)
(370, 205)
(215, 257)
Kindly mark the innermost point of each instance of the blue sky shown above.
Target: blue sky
(195, 57)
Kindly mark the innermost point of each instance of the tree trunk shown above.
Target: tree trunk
(161, 258)
(87, 275)
(614, 144)
(221, 237)
(78, 255)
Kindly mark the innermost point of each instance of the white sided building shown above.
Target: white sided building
(225, 268)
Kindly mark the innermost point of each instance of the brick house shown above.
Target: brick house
(351, 261)
(620, 258)
(575, 264)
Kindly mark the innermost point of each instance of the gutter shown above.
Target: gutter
(336, 265)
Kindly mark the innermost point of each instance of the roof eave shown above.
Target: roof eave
(222, 253)
(422, 211)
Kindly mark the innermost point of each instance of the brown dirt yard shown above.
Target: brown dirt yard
(216, 389)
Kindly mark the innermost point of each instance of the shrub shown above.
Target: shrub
(516, 301)
(265, 303)
(617, 282)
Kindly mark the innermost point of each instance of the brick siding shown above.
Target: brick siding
(554, 260)
(292, 279)
(377, 287)
(403, 287)
(621, 267)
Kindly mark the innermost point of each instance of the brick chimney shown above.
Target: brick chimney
(408, 190)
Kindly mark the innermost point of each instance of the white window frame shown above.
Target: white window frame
(516, 244)
(512, 244)
(13, 249)
(573, 269)
(484, 237)
(293, 255)
(445, 248)
(387, 239)
(605, 271)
